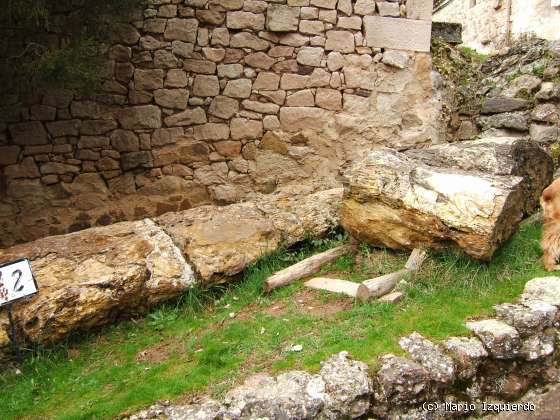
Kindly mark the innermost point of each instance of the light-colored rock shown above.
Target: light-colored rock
(341, 41)
(181, 29)
(364, 7)
(501, 340)
(353, 22)
(248, 40)
(301, 98)
(211, 132)
(223, 107)
(187, 117)
(266, 81)
(138, 117)
(527, 319)
(293, 119)
(419, 9)
(293, 81)
(397, 33)
(468, 354)
(239, 88)
(172, 98)
(245, 20)
(231, 71)
(281, 18)
(401, 381)
(398, 59)
(242, 128)
(328, 99)
(388, 8)
(205, 85)
(545, 289)
(310, 56)
(261, 107)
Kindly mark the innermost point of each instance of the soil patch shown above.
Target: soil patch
(159, 352)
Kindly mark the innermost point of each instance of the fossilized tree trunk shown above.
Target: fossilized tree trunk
(471, 194)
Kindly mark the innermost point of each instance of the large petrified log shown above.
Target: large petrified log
(92, 277)
(472, 194)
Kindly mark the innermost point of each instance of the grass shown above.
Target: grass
(193, 346)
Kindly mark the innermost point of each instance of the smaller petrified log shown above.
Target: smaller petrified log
(473, 195)
(306, 267)
(333, 285)
(380, 286)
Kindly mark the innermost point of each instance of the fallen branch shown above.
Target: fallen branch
(380, 286)
(333, 285)
(306, 267)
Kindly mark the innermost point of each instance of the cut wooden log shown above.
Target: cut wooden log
(380, 286)
(306, 267)
(433, 198)
(393, 297)
(345, 287)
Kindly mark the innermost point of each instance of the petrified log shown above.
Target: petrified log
(396, 200)
(305, 267)
(382, 285)
(95, 276)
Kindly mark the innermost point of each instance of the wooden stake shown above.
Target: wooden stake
(306, 267)
(380, 286)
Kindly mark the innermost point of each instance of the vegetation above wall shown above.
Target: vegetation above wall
(61, 42)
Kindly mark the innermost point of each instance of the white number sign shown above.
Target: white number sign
(16, 281)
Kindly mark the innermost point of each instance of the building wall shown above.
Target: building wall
(485, 23)
(213, 101)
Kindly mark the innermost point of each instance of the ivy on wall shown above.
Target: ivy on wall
(60, 42)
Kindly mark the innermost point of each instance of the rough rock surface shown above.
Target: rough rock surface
(546, 289)
(92, 277)
(401, 381)
(440, 366)
(399, 201)
(467, 353)
(501, 340)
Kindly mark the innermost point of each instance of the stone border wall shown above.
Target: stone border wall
(212, 101)
(504, 357)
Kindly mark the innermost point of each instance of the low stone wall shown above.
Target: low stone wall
(212, 102)
(505, 356)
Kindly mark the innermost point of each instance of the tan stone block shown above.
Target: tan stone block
(245, 20)
(223, 107)
(276, 96)
(310, 56)
(186, 118)
(266, 81)
(388, 8)
(260, 107)
(293, 81)
(342, 41)
(242, 128)
(355, 77)
(355, 104)
(364, 7)
(328, 16)
(299, 118)
(318, 78)
(205, 86)
(281, 51)
(345, 6)
(281, 18)
(214, 54)
(176, 78)
(294, 39)
(181, 29)
(172, 98)
(148, 79)
(228, 148)
(271, 122)
(156, 26)
(150, 43)
(213, 17)
(211, 132)
(139, 117)
(311, 27)
(199, 66)
(255, 6)
(286, 66)
(220, 36)
(328, 99)
(239, 88)
(419, 9)
(309, 13)
(182, 49)
(24, 169)
(227, 4)
(325, 4)
(396, 33)
(259, 60)
(163, 136)
(248, 40)
(124, 141)
(301, 98)
(335, 61)
(298, 3)
(353, 22)
(272, 142)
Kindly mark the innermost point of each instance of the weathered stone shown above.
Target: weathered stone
(205, 85)
(96, 127)
(211, 131)
(311, 27)
(325, 4)
(64, 128)
(310, 56)
(223, 107)
(294, 40)
(204, 410)
(506, 198)
(89, 277)
(342, 41)
(240, 88)
(319, 78)
(359, 78)
(497, 105)
(58, 168)
(255, 6)
(125, 141)
(259, 60)
(280, 18)
(271, 122)
(28, 133)
(261, 107)
(441, 367)
(527, 319)
(544, 133)
(396, 59)
(266, 81)
(513, 120)
(27, 168)
(364, 7)
(242, 128)
(248, 40)
(354, 22)
(388, 8)
(468, 354)
(523, 85)
(545, 289)
(138, 117)
(220, 36)
(301, 98)
(297, 118)
(163, 136)
(245, 20)
(181, 29)
(329, 99)
(187, 117)
(9, 155)
(199, 66)
(182, 49)
(148, 43)
(231, 71)
(538, 346)
(396, 33)
(547, 113)
(172, 98)
(293, 81)
(212, 17)
(272, 142)
(419, 9)
(401, 381)
(501, 340)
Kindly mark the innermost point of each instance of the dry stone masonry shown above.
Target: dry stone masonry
(496, 365)
(214, 101)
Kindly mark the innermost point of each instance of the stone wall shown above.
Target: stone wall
(485, 26)
(213, 102)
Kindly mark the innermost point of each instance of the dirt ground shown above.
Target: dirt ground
(547, 406)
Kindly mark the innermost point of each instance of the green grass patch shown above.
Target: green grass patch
(194, 346)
